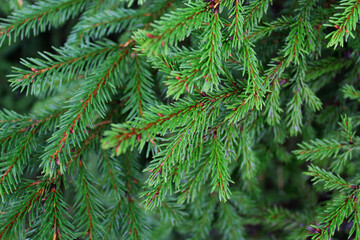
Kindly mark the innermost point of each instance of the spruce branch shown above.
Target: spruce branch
(171, 28)
(54, 220)
(262, 31)
(25, 125)
(356, 219)
(209, 65)
(89, 142)
(351, 93)
(272, 105)
(340, 150)
(128, 217)
(298, 42)
(113, 183)
(229, 222)
(37, 18)
(254, 12)
(295, 116)
(94, 27)
(347, 133)
(176, 127)
(344, 22)
(320, 149)
(236, 27)
(249, 161)
(331, 181)
(112, 223)
(124, 136)
(337, 211)
(204, 217)
(12, 219)
(138, 98)
(278, 217)
(100, 84)
(172, 213)
(325, 66)
(11, 165)
(68, 61)
(256, 84)
(220, 172)
(136, 227)
(89, 210)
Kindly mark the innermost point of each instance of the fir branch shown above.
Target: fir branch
(54, 219)
(230, 222)
(135, 227)
(112, 222)
(89, 210)
(139, 97)
(171, 28)
(12, 163)
(320, 149)
(36, 18)
(249, 162)
(12, 219)
(356, 219)
(220, 172)
(351, 93)
(188, 94)
(75, 119)
(105, 23)
(345, 22)
(172, 213)
(254, 12)
(126, 135)
(266, 30)
(204, 217)
(295, 116)
(331, 181)
(31, 123)
(322, 67)
(337, 211)
(236, 27)
(209, 64)
(68, 61)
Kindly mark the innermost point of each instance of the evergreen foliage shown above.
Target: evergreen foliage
(168, 119)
